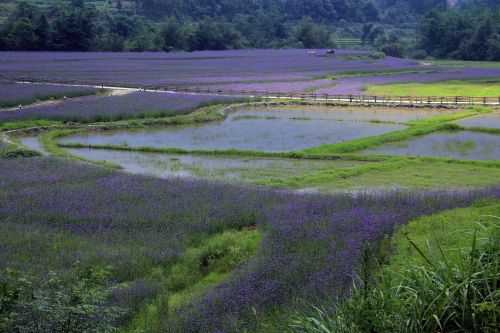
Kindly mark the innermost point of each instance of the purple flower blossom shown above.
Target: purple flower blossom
(13, 94)
(54, 212)
(138, 104)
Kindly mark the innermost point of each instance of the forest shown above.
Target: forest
(467, 30)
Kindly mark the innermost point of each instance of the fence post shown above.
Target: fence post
(456, 100)
(484, 101)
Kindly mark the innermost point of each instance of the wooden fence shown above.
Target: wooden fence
(359, 98)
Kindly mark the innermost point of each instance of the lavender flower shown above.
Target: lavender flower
(54, 212)
(13, 94)
(134, 105)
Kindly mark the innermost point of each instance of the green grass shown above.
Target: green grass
(472, 88)
(49, 143)
(453, 231)
(202, 267)
(379, 72)
(14, 125)
(415, 173)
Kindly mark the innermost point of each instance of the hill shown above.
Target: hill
(171, 25)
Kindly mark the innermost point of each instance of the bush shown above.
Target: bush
(32, 304)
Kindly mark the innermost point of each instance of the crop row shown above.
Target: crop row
(13, 94)
(108, 108)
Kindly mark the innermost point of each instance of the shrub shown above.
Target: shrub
(32, 304)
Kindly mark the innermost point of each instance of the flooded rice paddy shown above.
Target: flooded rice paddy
(211, 167)
(269, 130)
(462, 145)
(32, 142)
(489, 120)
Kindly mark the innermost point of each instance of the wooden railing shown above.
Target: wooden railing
(348, 98)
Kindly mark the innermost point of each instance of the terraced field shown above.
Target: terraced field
(165, 212)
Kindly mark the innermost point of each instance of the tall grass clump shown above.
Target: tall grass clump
(446, 294)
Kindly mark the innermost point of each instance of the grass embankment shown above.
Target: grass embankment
(416, 128)
(11, 148)
(472, 88)
(442, 275)
(201, 267)
(417, 173)
(21, 124)
(49, 143)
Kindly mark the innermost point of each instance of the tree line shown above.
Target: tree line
(171, 25)
(469, 34)
(470, 30)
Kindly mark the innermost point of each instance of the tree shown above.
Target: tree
(73, 30)
(22, 37)
(172, 35)
(311, 35)
(42, 31)
(371, 12)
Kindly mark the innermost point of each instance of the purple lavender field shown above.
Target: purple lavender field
(13, 94)
(249, 70)
(133, 105)
(55, 213)
(196, 68)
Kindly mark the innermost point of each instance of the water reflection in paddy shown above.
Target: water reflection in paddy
(398, 115)
(463, 145)
(269, 130)
(488, 120)
(227, 168)
(33, 142)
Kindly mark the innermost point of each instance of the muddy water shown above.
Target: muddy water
(271, 130)
(489, 120)
(32, 142)
(222, 168)
(462, 145)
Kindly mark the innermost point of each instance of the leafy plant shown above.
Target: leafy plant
(32, 304)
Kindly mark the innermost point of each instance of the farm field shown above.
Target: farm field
(248, 70)
(145, 211)
(15, 94)
(448, 88)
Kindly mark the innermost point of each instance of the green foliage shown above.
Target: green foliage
(203, 266)
(14, 153)
(479, 88)
(467, 35)
(443, 293)
(29, 303)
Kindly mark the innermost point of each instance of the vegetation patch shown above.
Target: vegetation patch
(442, 276)
(202, 266)
(477, 88)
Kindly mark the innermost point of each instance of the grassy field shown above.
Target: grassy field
(415, 174)
(479, 88)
